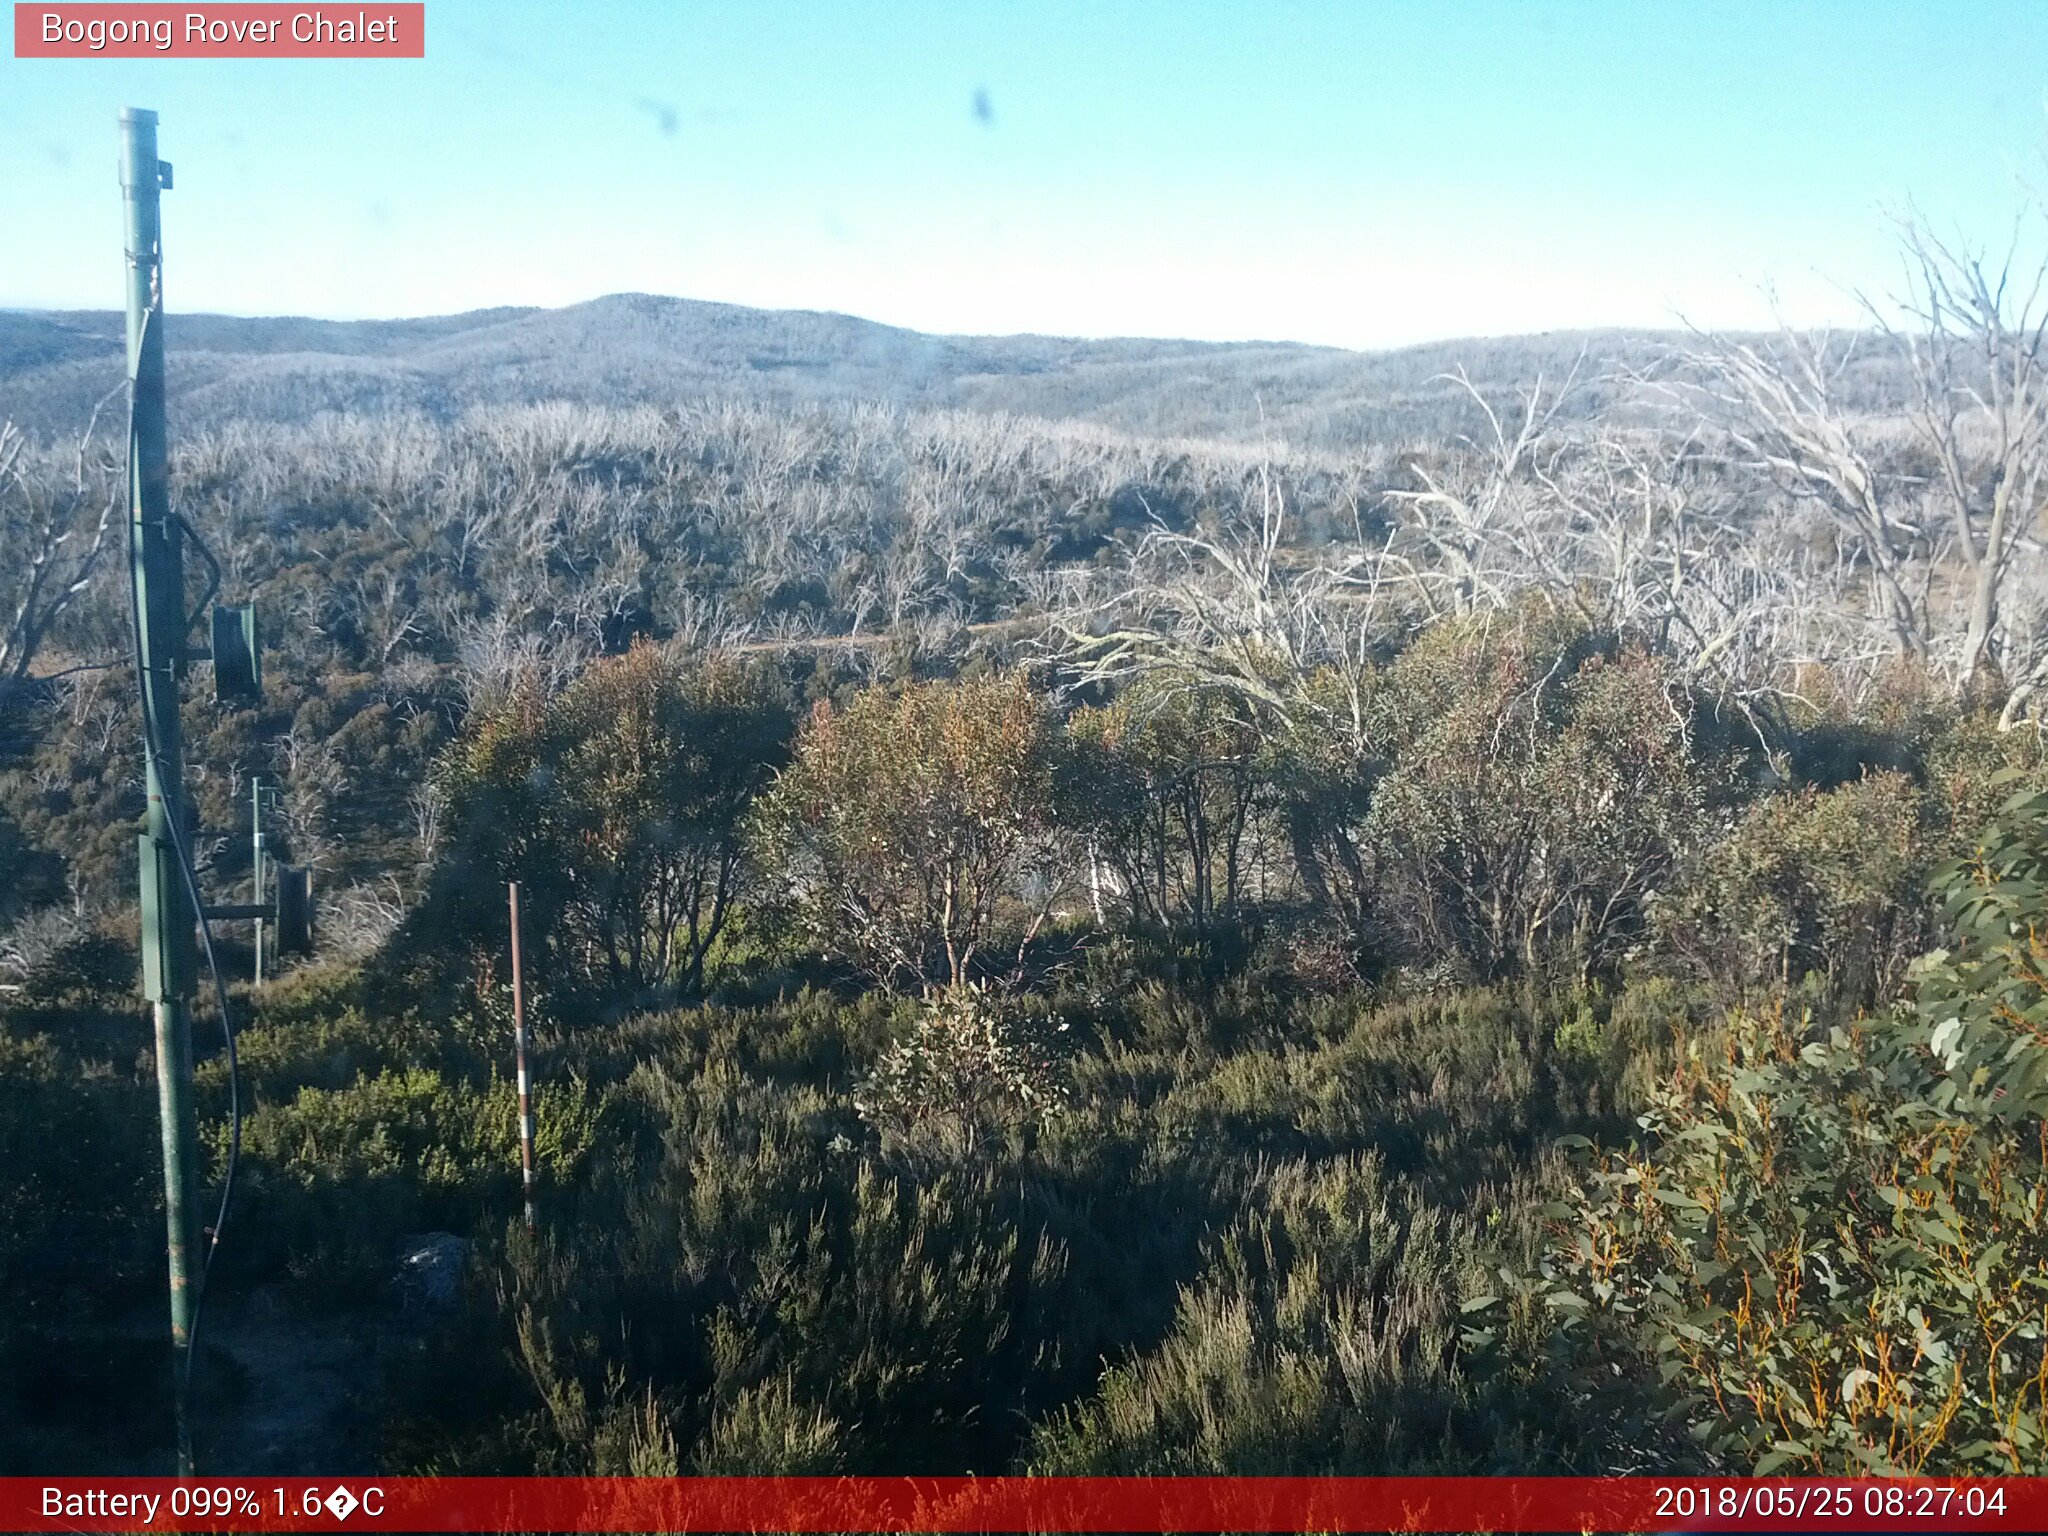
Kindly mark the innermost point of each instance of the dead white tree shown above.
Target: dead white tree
(385, 609)
(1777, 403)
(35, 940)
(1932, 499)
(1636, 533)
(1468, 536)
(1242, 612)
(53, 538)
(1973, 340)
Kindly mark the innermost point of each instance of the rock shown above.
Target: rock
(430, 1269)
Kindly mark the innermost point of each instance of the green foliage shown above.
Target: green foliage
(1165, 785)
(333, 1177)
(1256, 1214)
(1832, 1257)
(1538, 793)
(1981, 1006)
(739, 1270)
(663, 761)
(1320, 1338)
(768, 1431)
(1324, 787)
(975, 1064)
(618, 804)
(80, 1213)
(1972, 767)
(437, 1134)
(317, 1029)
(505, 820)
(776, 1290)
(1812, 883)
(911, 825)
(75, 1180)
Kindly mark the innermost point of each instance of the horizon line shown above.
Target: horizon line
(1676, 326)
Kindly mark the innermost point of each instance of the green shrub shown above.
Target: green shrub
(1832, 1254)
(769, 1431)
(83, 1175)
(784, 1295)
(1166, 785)
(618, 804)
(1537, 795)
(908, 822)
(1319, 1339)
(1972, 768)
(975, 1065)
(332, 1177)
(666, 756)
(1826, 884)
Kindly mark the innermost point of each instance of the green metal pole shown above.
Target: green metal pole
(169, 960)
(256, 863)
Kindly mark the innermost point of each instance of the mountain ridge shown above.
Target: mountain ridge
(632, 348)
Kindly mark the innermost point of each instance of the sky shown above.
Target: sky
(1361, 173)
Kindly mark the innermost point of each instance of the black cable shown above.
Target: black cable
(152, 740)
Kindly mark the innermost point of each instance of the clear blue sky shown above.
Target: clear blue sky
(1362, 173)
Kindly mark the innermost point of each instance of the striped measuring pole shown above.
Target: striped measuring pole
(519, 1058)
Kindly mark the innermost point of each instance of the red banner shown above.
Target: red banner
(954, 1504)
(117, 31)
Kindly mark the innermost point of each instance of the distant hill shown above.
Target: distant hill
(642, 349)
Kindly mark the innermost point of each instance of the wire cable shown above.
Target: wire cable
(152, 740)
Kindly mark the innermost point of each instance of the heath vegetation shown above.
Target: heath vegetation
(1512, 944)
